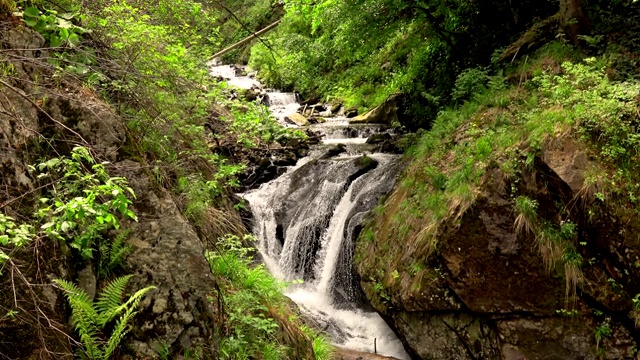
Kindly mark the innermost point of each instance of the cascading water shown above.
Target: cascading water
(306, 222)
(282, 104)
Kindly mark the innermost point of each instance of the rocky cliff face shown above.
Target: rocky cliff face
(168, 253)
(485, 292)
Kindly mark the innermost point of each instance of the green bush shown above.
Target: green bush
(468, 83)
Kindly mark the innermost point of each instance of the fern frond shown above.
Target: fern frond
(92, 346)
(84, 316)
(108, 303)
(119, 250)
(122, 325)
(121, 329)
(79, 300)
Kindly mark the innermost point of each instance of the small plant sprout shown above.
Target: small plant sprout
(527, 217)
(635, 312)
(572, 270)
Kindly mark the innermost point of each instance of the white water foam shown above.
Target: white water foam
(361, 328)
(228, 73)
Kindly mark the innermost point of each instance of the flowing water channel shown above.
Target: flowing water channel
(306, 222)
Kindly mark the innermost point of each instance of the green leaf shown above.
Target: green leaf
(74, 40)
(31, 12)
(64, 33)
(65, 226)
(30, 22)
(47, 225)
(64, 24)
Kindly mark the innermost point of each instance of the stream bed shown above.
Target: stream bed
(307, 220)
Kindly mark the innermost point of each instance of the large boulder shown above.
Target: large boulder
(486, 292)
(385, 113)
(168, 254)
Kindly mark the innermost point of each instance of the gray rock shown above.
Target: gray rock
(569, 160)
(87, 281)
(169, 255)
(297, 119)
(92, 119)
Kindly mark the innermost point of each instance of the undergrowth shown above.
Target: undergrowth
(506, 128)
(147, 60)
(258, 312)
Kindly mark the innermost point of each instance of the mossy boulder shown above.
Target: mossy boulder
(484, 290)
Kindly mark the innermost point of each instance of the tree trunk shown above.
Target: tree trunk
(573, 19)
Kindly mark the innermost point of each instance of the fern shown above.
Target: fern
(112, 254)
(109, 301)
(90, 318)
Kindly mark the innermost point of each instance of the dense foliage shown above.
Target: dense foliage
(362, 51)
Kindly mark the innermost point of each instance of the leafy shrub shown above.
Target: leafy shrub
(468, 83)
(85, 203)
(251, 330)
(256, 306)
(57, 29)
(89, 203)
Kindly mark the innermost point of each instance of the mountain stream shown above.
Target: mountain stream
(307, 220)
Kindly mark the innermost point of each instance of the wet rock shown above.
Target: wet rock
(334, 151)
(350, 113)
(251, 94)
(378, 138)
(318, 108)
(557, 338)
(335, 108)
(297, 119)
(311, 100)
(448, 336)
(286, 159)
(347, 354)
(385, 113)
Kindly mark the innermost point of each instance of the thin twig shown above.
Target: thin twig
(13, 286)
(8, 202)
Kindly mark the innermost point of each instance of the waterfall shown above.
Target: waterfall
(306, 223)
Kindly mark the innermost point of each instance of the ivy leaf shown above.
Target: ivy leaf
(64, 24)
(47, 225)
(65, 226)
